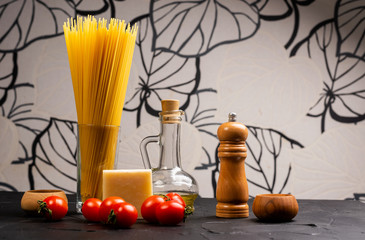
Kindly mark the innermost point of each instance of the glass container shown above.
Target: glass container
(169, 176)
(97, 151)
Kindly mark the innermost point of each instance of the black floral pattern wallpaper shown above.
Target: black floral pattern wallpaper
(292, 70)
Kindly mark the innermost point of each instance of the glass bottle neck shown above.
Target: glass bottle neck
(170, 146)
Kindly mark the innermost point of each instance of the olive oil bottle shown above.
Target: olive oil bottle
(169, 175)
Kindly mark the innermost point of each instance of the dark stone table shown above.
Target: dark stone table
(317, 219)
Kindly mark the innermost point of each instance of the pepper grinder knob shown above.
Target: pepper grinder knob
(232, 188)
(232, 117)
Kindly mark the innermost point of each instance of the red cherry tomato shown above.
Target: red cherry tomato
(170, 213)
(106, 207)
(176, 197)
(90, 209)
(53, 207)
(148, 209)
(124, 215)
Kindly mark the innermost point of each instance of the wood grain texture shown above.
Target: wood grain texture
(275, 207)
(232, 188)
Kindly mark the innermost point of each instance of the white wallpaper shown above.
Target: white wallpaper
(293, 72)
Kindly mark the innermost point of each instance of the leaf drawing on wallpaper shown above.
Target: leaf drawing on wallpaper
(20, 30)
(7, 75)
(350, 22)
(343, 96)
(19, 111)
(14, 108)
(357, 197)
(264, 148)
(193, 28)
(203, 119)
(84, 8)
(7, 187)
(285, 10)
(54, 154)
(159, 75)
(273, 11)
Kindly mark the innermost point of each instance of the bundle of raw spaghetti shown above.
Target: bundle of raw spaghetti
(100, 57)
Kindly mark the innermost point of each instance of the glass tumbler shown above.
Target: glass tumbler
(96, 151)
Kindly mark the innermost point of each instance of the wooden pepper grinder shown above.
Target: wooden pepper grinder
(232, 188)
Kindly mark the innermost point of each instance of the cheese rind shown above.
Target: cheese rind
(134, 186)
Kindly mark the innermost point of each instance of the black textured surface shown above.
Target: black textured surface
(317, 219)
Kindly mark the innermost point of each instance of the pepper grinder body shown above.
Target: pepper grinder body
(232, 189)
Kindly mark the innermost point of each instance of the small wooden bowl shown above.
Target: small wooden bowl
(275, 207)
(29, 202)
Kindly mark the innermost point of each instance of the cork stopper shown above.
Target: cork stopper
(170, 111)
(169, 105)
(232, 130)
